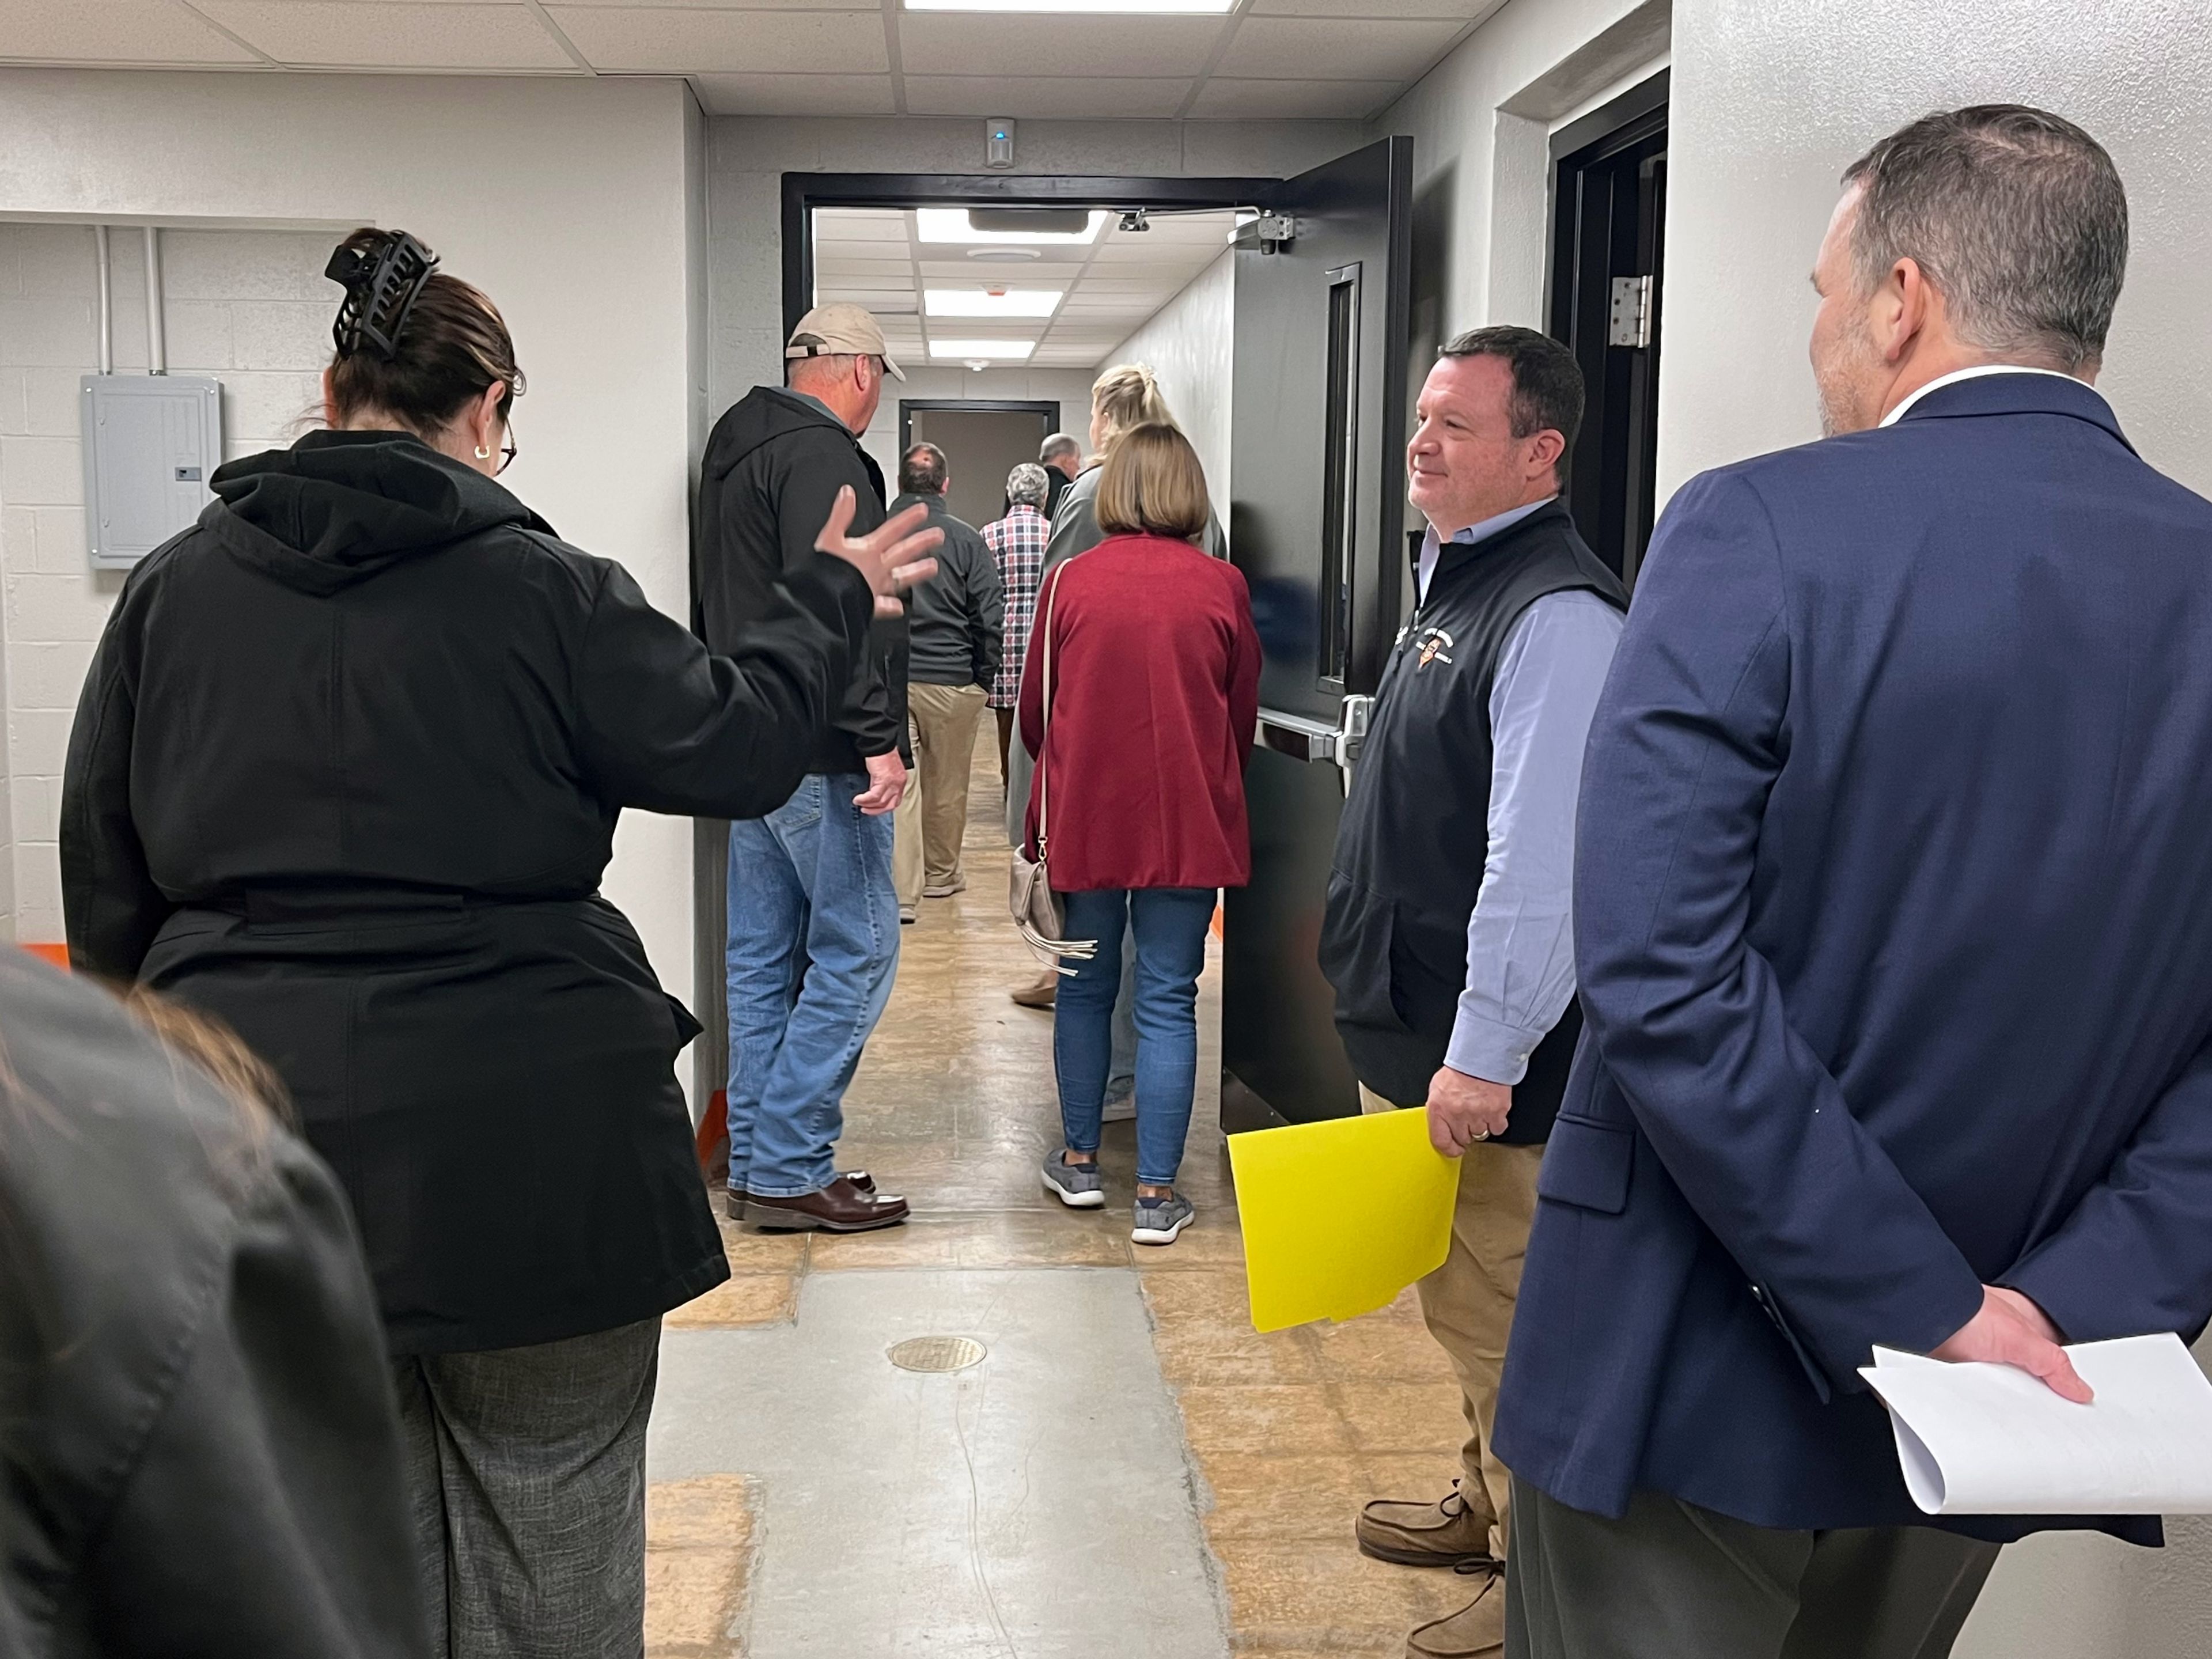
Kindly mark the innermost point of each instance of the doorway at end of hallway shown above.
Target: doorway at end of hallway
(983, 440)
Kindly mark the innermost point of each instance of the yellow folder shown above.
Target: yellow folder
(1339, 1217)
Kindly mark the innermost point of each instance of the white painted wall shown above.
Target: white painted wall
(241, 306)
(1190, 341)
(566, 199)
(1772, 101)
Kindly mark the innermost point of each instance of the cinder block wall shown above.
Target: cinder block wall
(250, 308)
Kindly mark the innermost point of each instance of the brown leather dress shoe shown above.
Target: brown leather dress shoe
(1041, 994)
(1477, 1631)
(1413, 1534)
(737, 1198)
(840, 1208)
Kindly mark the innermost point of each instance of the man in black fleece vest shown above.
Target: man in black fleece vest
(1447, 934)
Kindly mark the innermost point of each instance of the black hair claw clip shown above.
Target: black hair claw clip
(382, 283)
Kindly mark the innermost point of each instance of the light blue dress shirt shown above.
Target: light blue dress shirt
(1520, 939)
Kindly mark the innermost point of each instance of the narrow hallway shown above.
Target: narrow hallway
(1130, 1470)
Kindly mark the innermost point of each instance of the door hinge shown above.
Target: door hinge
(1630, 321)
(1275, 230)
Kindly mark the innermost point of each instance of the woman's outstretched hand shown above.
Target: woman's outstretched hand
(890, 557)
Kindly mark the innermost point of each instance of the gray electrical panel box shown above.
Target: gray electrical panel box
(151, 443)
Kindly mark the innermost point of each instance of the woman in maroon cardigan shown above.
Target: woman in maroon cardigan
(1155, 691)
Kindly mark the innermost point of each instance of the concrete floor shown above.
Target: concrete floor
(1131, 1474)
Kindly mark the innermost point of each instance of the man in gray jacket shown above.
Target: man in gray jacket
(953, 658)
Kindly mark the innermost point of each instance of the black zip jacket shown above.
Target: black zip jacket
(956, 619)
(1411, 843)
(772, 469)
(346, 774)
(197, 1439)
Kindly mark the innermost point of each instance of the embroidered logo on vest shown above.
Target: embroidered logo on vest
(1435, 646)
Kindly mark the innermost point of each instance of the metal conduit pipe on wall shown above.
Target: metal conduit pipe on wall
(106, 303)
(157, 350)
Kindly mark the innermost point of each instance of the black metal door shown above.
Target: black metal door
(1316, 519)
(1608, 248)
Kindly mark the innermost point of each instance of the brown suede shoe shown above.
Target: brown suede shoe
(1042, 994)
(840, 1208)
(1412, 1534)
(1477, 1631)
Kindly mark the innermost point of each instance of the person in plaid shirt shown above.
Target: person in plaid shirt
(1017, 543)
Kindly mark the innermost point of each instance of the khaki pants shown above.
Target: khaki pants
(943, 721)
(906, 829)
(1469, 1302)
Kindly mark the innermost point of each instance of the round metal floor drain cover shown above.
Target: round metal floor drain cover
(938, 1353)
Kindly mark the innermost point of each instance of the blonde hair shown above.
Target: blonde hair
(1128, 395)
(1153, 485)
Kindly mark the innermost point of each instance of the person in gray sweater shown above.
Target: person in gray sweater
(954, 629)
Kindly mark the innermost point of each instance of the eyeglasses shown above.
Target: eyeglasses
(508, 452)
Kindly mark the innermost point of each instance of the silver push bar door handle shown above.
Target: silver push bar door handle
(1301, 737)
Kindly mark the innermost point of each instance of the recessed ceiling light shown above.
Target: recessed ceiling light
(1072, 5)
(1006, 303)
(951, 225)
(953, 351)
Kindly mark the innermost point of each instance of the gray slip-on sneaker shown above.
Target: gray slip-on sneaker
(1159, 1220)
(1078, 1185)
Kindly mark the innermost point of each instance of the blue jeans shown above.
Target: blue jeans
(814, 945)
(1170, 924)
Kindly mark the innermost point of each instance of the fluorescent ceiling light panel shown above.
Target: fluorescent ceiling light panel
(1049, 6)
(959, 351)
(951, 225)
(975, 302)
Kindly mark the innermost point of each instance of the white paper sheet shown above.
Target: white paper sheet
(1985, 1439)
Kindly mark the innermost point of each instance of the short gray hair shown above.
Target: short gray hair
(1057, 445)
(1027, 486)
(2018, 217)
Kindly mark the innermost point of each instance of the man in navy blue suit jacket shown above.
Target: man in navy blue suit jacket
(1893, 927)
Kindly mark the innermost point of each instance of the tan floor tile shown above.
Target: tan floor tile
(698, 1556)
(1329, 1598)
(1299, 1420)
(750, 1252)
(1204, 1336)
(745, 1299)
(1285, 1498)
(1382, 1348)
(1402, 1417)
(1055, 1238)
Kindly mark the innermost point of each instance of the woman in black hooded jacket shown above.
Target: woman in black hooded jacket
(345, 774)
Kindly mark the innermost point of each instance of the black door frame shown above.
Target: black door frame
(1634, 119)
(909, 407)
(805, 191)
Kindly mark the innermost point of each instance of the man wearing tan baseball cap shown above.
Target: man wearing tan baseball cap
(841, 329)
(812, 899)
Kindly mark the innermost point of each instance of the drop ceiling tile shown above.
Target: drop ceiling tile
(795, 94)
(112, 32)
(671, 41)
(1334, 49)
(393, 33)
(1466, 11)
(729, 5)
(860, 224)
(1053, 356)
(1008, 270)
(1222, 97)
(1024, 97)
(969, 45)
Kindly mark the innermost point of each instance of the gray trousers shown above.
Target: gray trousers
(1672, 1581)
(526, 1467)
